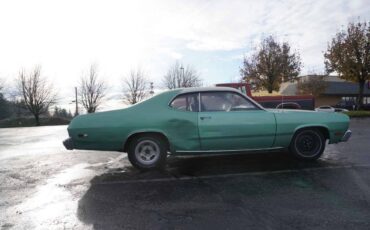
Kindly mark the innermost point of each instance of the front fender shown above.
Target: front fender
(305, 126)
(289, 122)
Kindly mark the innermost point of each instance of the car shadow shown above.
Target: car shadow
(126, 198)
(212, 165)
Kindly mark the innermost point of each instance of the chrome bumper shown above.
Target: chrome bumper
(346, 135)
(68, 143)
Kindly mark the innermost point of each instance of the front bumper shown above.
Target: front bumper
(346, 135)
(68, 143)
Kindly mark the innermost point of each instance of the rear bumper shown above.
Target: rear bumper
(346, 135)
(68, 143)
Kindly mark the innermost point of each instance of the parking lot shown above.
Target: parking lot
(44, 186)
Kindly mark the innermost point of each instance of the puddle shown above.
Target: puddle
(332, 153)
(54, 206)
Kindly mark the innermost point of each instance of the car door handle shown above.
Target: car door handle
(203, 118)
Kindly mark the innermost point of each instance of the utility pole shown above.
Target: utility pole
(183, 73)
(76, 100)
(151, 89)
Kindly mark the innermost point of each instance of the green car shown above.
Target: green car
(202, 121)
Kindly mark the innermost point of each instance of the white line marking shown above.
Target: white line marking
(184, 178)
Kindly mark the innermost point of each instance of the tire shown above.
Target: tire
(147, 152)
(307, 144)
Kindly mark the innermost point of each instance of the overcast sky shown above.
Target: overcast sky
(65, 37)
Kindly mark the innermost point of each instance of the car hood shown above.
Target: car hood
(311, 115)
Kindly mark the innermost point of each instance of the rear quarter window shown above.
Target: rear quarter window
(186, 102)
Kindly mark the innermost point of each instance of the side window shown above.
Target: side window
(224, 101)
(186, 102)
(240, 103)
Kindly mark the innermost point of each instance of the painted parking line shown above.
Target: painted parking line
(261, 173)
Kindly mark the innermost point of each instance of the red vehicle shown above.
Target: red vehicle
(306, 102)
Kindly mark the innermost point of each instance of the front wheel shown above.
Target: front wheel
(147, 152)
(307, 144)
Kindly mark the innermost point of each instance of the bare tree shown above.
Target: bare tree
(179, 76)
(348, 54)
(38, 95)
(92, 90)
(314, 85)
(1, 93)
(135, 86)
(4, 104)
(1, 85)
(271, 64)
(1, 89)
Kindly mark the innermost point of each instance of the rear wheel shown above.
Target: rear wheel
(147, 152)
(307, 144)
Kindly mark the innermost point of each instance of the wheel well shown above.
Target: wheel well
(136, 135)
(323, 130)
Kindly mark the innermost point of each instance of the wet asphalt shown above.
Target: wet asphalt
(44, 186)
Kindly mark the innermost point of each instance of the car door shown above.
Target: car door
(230, 121)
(182, 125)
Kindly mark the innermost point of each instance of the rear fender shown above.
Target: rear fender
(143, 131)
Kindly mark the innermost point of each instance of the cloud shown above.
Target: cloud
(239, 57)
(66, 37)
(171, 53)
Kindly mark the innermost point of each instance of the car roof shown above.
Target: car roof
(204, 89)
(213, 89)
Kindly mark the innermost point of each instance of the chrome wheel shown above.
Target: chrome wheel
(147, 152)
(308, 144)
